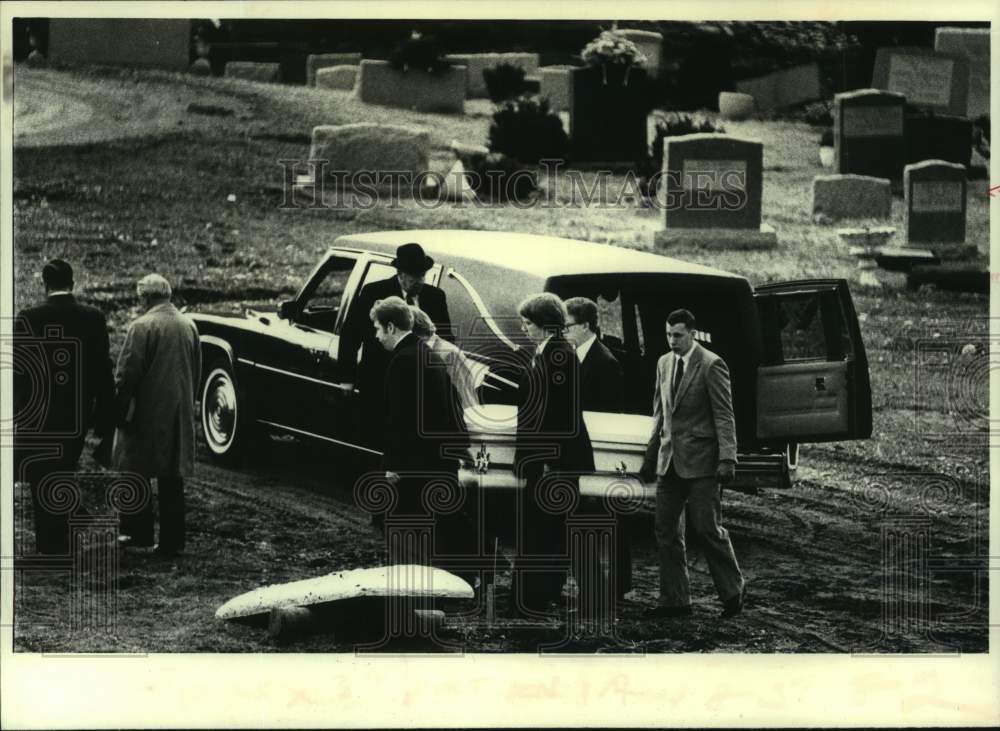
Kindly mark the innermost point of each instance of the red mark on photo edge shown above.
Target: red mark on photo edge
(994, 189)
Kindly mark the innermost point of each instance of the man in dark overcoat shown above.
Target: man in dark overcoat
(424, 433)
(409, 284)
(62, 388)
(552, 449)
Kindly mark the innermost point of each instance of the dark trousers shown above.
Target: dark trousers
(542, 542)
(139, 525)
(452, 534)
(700, 497)
(53, 498)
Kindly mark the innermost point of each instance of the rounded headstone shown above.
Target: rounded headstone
(838, 197)
(734, 106)
(36, 59)
(200, 67)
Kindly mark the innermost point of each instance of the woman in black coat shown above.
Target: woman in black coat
(553, 448)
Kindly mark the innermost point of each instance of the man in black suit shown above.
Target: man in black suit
(424, 433)
(602, 383)
(602, 388)
(411, 265)
(552, 443)
(63, 386)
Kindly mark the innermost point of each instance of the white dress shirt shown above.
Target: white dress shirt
(583, 348)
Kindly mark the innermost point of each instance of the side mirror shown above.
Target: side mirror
(288, 310)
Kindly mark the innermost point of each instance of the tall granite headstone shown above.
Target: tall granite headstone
(935, 195)
(868, 133)
(974, 44)
(713, 186)
(607, 111)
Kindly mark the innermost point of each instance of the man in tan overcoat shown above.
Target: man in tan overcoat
(157, 374)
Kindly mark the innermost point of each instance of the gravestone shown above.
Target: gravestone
(253, 71)
(650, 44)
(868, 133)
(974, 44)
(371, 148)
(200, 67)
(379, 83)
(317, 61)
(938, 137)
(935, 196)
(554, 86)
(713, 187)
(341, 78)
(734, 106)
(607, 114)
(851, 196)
(476, 63)
(936, 82)
(784, 88)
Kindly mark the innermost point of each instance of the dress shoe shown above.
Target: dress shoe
(664, 612)
(734, 605)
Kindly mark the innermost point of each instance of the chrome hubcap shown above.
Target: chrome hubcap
(219, 411)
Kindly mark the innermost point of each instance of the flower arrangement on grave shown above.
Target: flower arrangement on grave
(418, 52)
(612, 48)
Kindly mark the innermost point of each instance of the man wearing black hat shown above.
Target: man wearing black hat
(411, 267)
(63, 386)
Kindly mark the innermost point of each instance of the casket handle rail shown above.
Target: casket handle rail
(482, 460)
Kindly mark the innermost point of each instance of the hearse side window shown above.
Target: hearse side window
(322, 303)
(376, 272)
(809, 326)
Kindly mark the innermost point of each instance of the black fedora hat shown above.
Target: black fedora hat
(411, 259)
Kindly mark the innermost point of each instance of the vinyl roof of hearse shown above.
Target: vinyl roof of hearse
(538, 256)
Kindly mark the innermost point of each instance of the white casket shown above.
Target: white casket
(619, 442)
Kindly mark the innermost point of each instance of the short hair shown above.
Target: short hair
(582, 309)
(393, 310)
(153, 286)
(57, 274)
(423, 325)
(545, 310)
(681, 317)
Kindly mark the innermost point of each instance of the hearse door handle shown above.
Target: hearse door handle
(821, 383)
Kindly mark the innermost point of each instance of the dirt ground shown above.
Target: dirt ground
(881, 546)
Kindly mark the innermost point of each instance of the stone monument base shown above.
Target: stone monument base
(949, 251)
(718, 238)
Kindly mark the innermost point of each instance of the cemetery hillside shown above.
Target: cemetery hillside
(202, 177)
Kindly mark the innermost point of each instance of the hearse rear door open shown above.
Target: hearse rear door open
(812, 383)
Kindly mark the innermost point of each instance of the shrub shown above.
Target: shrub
(818, 114)
(504, 81)
(524, 129)
(418, 52)
(502, 179)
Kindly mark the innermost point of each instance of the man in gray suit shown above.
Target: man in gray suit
(692, 450)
